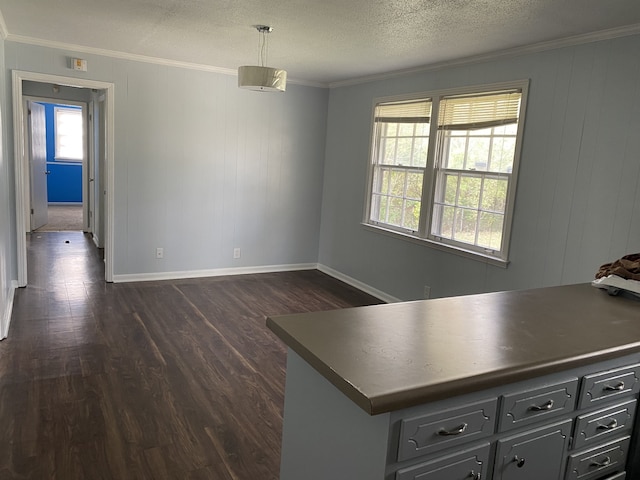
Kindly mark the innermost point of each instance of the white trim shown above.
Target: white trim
(443, 247)
(216, 272)
(506, 53)
(423, 234)
(499, 54)
(84, 162)
(142, 58)
(5, 321)
(3, 27)
(21, 165)
(358, 284)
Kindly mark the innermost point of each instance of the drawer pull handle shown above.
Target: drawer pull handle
(609, 426)
(474, 476)
(614, 388)
(604, 463)
(456, 431)
(519, 461)
(539, 408)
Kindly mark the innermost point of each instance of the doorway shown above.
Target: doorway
(56, 142)
(100, 146)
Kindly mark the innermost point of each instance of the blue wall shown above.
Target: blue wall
(64, 183)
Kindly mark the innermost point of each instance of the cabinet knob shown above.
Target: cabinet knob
(609, 426)
(519, 461)
(548, 405)
(614, 388)
(474, 476)
(456, 431)
(604, 463)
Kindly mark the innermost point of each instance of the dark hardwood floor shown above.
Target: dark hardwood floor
(152, 380)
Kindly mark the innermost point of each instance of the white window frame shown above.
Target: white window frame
(60, 110)
(423, 234)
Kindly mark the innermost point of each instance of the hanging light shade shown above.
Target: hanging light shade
(262, 78)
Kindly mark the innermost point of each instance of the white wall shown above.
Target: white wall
(7, 225)
(578, 197)
(202, 167)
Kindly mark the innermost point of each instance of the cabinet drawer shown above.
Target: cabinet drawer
(538, 454)
(609, 385)
(617, 476)
(602, 425)
(598, 462)
(524, 408)
(446, 428)
(469, 465)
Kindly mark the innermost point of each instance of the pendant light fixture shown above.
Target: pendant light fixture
(262, 78)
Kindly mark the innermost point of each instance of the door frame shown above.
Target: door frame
(86, 160)
(21, 159)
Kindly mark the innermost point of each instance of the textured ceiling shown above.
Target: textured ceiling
(317, 41)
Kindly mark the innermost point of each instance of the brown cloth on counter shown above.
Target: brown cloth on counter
(628, 267)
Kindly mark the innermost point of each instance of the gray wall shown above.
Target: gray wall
(202, 167)
(578, 197)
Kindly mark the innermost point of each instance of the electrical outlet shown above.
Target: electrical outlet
(236, 252)
(159, 252)
(427, 292)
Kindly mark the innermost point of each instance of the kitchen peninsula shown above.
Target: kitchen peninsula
(527, 384)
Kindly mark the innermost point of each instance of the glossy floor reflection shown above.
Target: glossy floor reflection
(155, 380)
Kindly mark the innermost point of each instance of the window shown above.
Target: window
(457, 192)
(69, 134)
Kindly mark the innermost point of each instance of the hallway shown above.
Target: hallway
(156, 380)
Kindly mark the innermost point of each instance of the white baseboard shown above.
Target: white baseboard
(358, 284)
(216, 272)
(5, 320)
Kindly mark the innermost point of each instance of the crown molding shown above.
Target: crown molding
(500, 54)
(135, 57)
(3, 27)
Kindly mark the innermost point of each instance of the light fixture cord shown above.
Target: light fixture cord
(263, 48)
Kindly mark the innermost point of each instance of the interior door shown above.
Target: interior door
(38, 164)
(100, 173)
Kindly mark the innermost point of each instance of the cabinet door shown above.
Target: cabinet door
(469, 465)
(533, 455)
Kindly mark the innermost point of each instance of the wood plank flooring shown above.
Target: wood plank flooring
(151, 380)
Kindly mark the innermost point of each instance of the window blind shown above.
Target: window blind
(479, 111)
(404, 112)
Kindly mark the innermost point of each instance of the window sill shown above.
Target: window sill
(478, 257)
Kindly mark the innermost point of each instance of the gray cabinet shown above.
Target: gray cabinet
(569, 426)
(446, 428)
(540, 404)
(597, 462)
(468, 465)
(533, 455)
(601, 425)
(607, 386)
